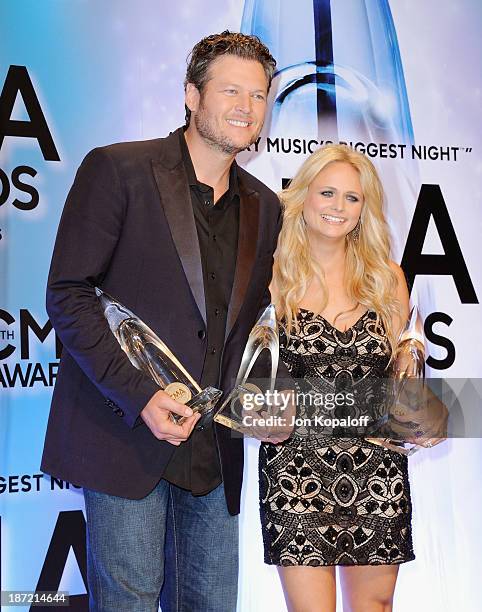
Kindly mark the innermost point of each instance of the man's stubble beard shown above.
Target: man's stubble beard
(214, 137)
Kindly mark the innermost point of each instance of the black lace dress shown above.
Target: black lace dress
(330, 500)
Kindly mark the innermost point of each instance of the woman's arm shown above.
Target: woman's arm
(402, 295)
(433, 417)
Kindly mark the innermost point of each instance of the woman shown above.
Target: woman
(329, 500)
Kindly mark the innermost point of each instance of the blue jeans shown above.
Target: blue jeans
(170, 547)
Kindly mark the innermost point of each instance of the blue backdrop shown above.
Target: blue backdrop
(400, 81)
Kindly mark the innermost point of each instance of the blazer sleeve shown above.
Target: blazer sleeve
(88, 232)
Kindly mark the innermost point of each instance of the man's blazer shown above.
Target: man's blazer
(128, 227)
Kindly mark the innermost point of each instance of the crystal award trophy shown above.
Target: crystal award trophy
(264, 335)
(148, 353)
(405, 418)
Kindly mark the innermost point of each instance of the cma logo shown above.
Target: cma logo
(28, 327)
(18, 83)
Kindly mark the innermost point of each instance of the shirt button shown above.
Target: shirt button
(214, 237)
(213, 276)
(201, 334)
(207, 202)
(213, 351)
(216, 311)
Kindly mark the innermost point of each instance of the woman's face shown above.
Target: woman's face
(334, 201)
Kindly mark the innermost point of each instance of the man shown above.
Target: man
(178, 233)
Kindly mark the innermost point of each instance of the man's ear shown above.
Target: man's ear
(192, 97)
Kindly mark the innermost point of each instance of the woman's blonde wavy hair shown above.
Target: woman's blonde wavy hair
(370, 279)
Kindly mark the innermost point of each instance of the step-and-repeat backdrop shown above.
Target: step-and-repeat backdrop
(399, 81)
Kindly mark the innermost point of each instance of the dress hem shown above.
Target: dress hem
(407, 560)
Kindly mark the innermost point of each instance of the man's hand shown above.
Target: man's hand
(157, 416)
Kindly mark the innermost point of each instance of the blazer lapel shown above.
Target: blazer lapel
(173, 188)
(247, 241)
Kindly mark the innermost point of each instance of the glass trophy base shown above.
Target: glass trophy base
(232, 413)
(393, 434)
(224, 415)
(204, 403)
(232, 424)
(227, 421)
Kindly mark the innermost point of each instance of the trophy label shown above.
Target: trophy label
(232, 424)
(179, 392)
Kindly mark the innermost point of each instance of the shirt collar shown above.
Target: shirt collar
(233, 189)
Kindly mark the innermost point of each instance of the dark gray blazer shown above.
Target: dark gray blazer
(128, 227)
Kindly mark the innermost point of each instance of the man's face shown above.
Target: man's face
(229, 113)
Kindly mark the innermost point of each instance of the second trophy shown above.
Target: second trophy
(235, 411)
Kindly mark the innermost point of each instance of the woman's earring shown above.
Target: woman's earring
(355, 232)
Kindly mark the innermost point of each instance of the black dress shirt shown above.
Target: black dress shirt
(195, 463)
